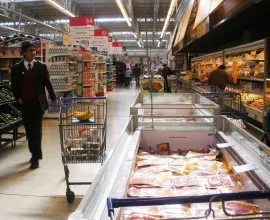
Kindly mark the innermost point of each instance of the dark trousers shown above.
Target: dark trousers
(32, 118)
(127, 81)
(137, 79)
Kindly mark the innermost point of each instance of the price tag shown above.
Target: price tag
(245, 168)
(223, 145)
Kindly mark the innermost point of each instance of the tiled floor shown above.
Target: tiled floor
(40, 194)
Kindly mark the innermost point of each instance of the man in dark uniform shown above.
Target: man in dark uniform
(165, 73)
(28, 81)
(137, 74)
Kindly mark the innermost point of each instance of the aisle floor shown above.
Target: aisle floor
(40, 194)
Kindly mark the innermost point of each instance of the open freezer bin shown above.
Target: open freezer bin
(170, 104)
(243, 151)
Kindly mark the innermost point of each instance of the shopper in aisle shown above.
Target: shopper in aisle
(28, 81)
(165, 73)
(219, 78)
(137, 73)
(127, 76)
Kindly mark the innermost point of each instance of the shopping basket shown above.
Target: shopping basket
(82, 126)
(224, 197)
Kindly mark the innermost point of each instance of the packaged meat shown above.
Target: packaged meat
(138, 216)
(199, 210)
(183, 181)
(176, 169)
(151, 170)
(190, 191)
(205, 156)
(150, 192)
(147, 157)
(177, 162)
(154, 162)
(157, 180)
(230, 189)
(174, 211)
(241, 207)
(220, 180)
(133, 211)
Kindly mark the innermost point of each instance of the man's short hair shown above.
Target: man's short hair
(26, 45)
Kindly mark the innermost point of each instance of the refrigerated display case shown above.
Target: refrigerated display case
(170, 104)
(247, 66)
(246, 156)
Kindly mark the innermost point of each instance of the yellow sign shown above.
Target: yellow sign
(157, 85)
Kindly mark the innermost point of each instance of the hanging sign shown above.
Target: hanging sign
(109, 44)
(117, 48)
(81, 28)
(234, 72)
(99, 40)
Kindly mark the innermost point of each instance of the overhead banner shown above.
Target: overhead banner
(99, 40)
(81, 28)
(117, 48)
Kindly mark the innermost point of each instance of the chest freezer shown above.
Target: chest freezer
(114, 178)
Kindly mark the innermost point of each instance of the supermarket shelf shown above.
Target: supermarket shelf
(73, 75)
(89, 72)
(58, 77)
(92, 61)
(87, 85)
(254, 109)
(4, 68)
(12, 57)
(251, 79)
(255, 60)
(59, 55)
(62, 90)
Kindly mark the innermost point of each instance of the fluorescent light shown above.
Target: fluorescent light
(171, 9)
(135, 35)
(59, 7)
(123, 10)
(139, 44)
(158, 44)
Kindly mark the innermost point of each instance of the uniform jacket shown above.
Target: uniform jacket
(41, 79)
(220, 78)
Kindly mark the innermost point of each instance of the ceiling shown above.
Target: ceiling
(105, 9)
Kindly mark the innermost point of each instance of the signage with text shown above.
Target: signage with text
(117, 48)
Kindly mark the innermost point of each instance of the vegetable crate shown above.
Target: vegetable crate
(82, 126)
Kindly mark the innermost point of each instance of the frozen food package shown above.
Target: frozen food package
(150, 192)
(147, 212)
(154, 162)
(151, 170)
(183, 181)
(174, 211)
(205, 156)
(190, 191)
(220, 180)
(241, 207)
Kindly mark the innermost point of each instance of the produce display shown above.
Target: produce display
(249, 64)
(202, 69)
(163, 173)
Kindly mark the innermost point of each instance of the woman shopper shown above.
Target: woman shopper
(127, 76)
(28, 81)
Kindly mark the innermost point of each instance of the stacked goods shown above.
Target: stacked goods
(196, 173)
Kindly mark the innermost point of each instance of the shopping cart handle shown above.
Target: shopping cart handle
(132, 202)
(83, 98)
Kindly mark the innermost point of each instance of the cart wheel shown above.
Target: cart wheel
(70, 196)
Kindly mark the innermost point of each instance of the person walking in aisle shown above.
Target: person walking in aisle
(165, 72)
(137, 74)
(127, 76)
(219, 77)
(28, 81)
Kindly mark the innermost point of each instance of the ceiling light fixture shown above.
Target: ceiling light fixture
(123, 10)
(139, 44)
(158, 44)
(135, 35)
(170, 12)
(59, 7)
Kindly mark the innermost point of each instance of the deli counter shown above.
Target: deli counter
(150, 162)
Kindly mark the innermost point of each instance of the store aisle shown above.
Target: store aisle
(40, 194)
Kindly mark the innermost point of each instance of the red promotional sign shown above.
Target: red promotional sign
(82, 21)
(109, 38)
(117, 44)
(101, 33)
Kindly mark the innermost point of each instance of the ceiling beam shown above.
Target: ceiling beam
(64, 6)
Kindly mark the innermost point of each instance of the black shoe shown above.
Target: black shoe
(31, 160)
(34, 165)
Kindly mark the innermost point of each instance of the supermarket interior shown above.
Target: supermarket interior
(134, 109)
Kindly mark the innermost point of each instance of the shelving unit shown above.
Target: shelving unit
(246, 64)
(111, 75)
(64, 70)
(94, 75)
(10, 117)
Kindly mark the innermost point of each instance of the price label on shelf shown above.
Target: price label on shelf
(245, 168)
(223, 145)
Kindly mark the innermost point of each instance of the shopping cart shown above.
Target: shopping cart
(113, 203)
(82, 126)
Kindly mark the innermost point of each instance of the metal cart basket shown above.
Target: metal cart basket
(82, 126)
